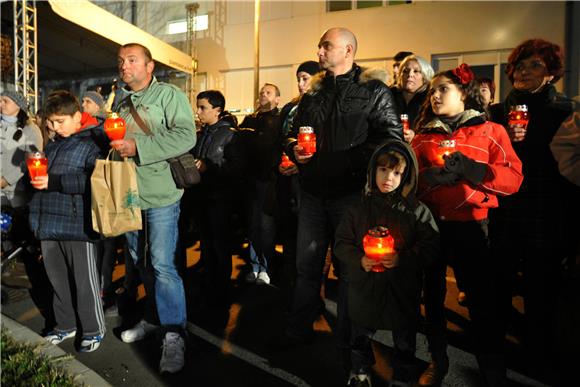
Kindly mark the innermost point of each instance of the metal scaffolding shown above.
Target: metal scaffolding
(25, 49)
(191, 48)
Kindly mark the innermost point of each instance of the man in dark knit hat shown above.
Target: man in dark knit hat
(93, 103)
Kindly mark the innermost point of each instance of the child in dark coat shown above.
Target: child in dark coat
(388, 299)
(60, 216)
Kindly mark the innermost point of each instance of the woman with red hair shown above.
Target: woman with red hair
(536, 230)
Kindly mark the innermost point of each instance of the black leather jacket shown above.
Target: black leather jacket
(262, 137)
(219, 147)
(350, 118)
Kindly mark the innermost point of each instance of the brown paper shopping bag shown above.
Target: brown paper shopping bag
(115, 197)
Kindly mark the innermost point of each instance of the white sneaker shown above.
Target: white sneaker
(172, 357)
(251, 277)
(138, 332)
(263, 278)
(56, 337)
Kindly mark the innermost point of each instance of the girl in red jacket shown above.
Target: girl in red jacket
(465, 161)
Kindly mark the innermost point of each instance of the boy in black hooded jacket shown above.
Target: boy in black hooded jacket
(389, 299)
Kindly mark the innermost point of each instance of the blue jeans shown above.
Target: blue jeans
(161, 227)
(317, 222)
(262, 228)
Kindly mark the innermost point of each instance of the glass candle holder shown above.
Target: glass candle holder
(285, 161)
(377, 243)
(519, 116)
(115, 127)
(37, 164)
(307, 140)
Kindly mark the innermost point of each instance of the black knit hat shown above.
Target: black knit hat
(399, 56)
(311, 67)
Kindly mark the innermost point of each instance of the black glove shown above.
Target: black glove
(465, 167)
(438, 176)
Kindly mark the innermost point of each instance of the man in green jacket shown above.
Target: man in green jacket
(166, 112)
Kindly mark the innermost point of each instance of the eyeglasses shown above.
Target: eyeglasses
(534, 65)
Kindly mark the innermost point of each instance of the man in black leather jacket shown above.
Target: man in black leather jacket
(351, 114)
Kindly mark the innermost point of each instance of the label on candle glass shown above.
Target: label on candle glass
(445, 148)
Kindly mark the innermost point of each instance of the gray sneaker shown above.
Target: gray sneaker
(172, 357)
(138, 332)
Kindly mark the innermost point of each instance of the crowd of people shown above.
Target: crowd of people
(461, 186)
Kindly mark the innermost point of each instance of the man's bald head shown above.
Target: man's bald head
(336, 50)
(345, 35)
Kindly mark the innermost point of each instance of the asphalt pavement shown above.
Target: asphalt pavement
(236, 345)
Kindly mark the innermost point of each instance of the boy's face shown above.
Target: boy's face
(388, 179)
(65, 125)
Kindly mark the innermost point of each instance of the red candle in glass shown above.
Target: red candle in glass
(518, 116)
(115, 127)
(445, 148)
(405, 122)
(307, 140)
(376, 243)
(37, 164)
(286, 162)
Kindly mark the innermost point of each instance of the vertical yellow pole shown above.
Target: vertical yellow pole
(256, 49)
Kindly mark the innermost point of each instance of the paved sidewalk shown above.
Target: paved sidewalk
(78, 370)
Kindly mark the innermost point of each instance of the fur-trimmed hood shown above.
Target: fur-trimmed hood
(366, 75)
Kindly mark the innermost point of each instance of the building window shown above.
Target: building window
(345, 5)
(180, 26)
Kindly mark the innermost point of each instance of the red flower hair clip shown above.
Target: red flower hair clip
(464, 73)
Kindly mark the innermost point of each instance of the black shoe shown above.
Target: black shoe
(434, 374)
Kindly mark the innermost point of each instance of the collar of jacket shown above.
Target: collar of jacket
(547, 96)
(217, 125)
(142, 91)
(468, 118)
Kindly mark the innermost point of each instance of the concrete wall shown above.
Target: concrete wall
(479, 33)
(290, 33)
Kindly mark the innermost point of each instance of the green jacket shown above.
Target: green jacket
(167, 113)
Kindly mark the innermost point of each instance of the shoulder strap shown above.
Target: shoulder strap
(137, 117)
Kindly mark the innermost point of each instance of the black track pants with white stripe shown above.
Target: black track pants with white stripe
(72, 270)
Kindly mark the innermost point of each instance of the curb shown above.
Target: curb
(80, 372)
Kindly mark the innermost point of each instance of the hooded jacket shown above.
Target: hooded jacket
(63, 210)
(484, 142)
(388, 300)
(351, 114)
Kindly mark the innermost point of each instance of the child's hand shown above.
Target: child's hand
(367, 263)
(390, 260)
(40, 182)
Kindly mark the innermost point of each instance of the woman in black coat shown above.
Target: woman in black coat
(535, 229)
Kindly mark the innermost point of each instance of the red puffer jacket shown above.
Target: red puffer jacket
(483, 141)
